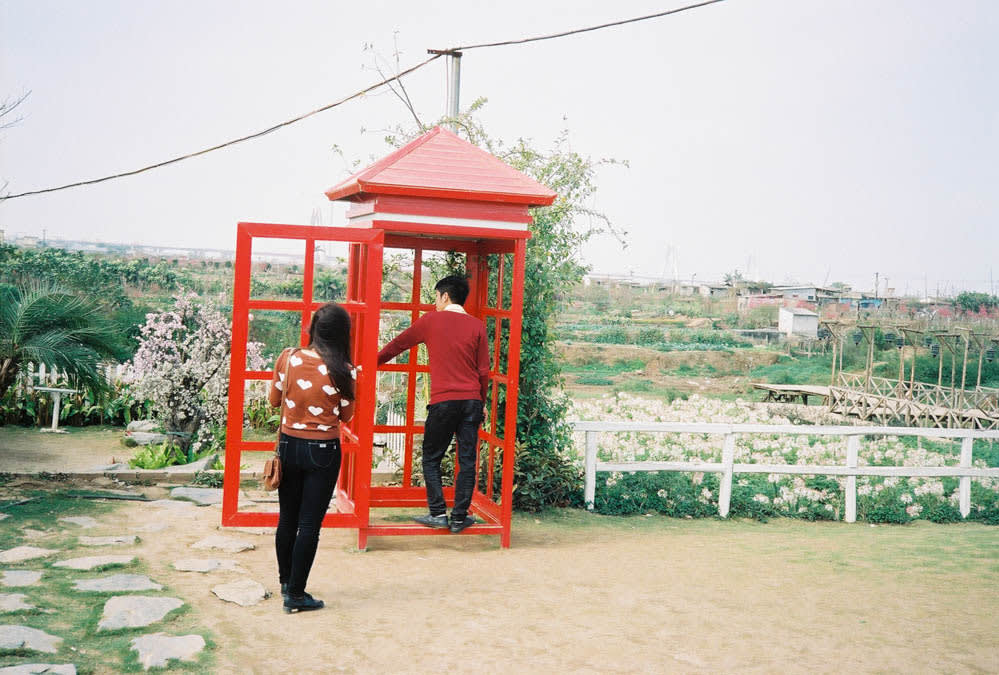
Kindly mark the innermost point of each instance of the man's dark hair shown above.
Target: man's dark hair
(456, 288)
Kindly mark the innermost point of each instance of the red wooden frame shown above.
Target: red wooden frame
(355, 496)
(362, 302)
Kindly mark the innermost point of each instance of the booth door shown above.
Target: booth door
(289, 308)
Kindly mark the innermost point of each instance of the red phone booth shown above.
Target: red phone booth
(438, 193)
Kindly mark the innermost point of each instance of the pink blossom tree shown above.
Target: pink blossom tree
(182, 367)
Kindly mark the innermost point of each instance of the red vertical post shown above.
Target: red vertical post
(411, 374)
(513, 386)
(366, 383)
(237, 371)
(307, 280)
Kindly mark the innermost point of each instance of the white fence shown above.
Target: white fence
(46, 376)
(728, 467)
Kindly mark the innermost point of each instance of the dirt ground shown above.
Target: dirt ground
(27, 450)
(578, 592)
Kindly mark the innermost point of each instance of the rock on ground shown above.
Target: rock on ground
(227, 544)
(147, 437)
(40, 669)
(142, 425)
(13, 602)
(86, 522)
(244, 592)
(118, 582)
(4, 516)
(23, 637)
(20, 553)
(206, 565)
(135, 611)
(200, 496)
(90, 562)
(16, 578)
(115, 540)
(156, 649)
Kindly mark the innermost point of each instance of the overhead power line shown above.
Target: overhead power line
(435, 54)
(588, 29)
(248, 137)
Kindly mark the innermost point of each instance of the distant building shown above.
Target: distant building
(27, 242)
(709, 290)
(797, 321)
(799, 293)
(753, 300)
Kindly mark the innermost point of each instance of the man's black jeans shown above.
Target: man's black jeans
(309, 470)
(445, 420)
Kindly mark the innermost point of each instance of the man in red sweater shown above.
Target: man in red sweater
(459, 371)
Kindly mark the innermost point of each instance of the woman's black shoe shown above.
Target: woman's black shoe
(301, 603)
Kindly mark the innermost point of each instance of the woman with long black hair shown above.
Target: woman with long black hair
(315, 389)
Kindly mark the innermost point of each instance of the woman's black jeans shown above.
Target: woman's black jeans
(445, 420)
(309, 470)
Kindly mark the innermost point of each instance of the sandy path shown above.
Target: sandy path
(584, 593)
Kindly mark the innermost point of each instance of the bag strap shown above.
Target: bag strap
(284, 388)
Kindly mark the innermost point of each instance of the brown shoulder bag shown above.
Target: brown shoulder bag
(272, 467)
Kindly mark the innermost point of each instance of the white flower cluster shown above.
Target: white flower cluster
(182, 366)
(791, 493)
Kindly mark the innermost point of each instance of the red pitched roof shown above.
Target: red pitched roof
(440, 164)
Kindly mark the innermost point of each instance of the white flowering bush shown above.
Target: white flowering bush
(695, 494)
(182, 368)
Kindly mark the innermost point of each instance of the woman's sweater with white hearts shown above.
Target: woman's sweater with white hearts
(312, 405)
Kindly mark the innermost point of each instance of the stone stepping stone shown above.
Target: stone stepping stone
(14, 602)
(23, 637)
(244, 592)
(30, 533)
(21, 553)
(153, 527)
(90, 562)
(156, 649)
(206, 565)
(116, 540)
(222, 543)
(39, 669)
(251, 530)
(118, 582)
(200, 496)
(17, 578)
(136, 611)
(4, 516)
(172, 504)
(86, 522)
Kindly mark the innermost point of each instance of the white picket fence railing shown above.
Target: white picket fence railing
(727, 467)
(41, 375)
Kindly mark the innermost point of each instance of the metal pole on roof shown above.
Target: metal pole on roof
(455, 85)
(453, 82)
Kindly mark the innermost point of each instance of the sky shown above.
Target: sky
(791, 140)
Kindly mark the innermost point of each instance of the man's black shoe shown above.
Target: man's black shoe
(459, 525)
(284, 590)
(439, 522)
(301, 603)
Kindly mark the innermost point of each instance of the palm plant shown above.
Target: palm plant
(43, 323)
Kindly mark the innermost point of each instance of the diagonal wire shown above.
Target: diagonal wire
(248, 137)
(435, 54)
(584, 30)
